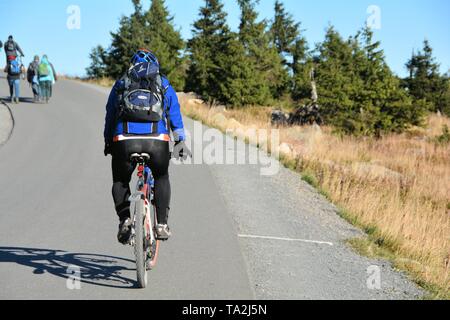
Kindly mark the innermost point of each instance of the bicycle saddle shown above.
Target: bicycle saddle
(140, 157)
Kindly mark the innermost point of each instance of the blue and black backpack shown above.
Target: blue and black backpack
(141, 99)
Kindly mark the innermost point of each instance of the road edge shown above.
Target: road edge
(11, 120)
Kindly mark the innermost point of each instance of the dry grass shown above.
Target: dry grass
(104, 82)
(397, 188)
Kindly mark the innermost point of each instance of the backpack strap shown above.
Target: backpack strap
(119, 93)
(164, 91)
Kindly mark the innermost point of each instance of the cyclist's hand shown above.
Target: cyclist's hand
(107, 149)
(181, 151)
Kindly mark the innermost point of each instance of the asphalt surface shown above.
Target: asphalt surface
(237, 234)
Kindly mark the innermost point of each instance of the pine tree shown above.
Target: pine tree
(97, 68)
(128, 39)
(293, 49)
(302, 67)
(424, 82)
(335, 80)
(358, 92)
(209, 44)
(165, 41)
(269, 77)
(384, 105)
(285, 32)
(236, 89)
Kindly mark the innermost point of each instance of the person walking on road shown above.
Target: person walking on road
(47, 77)
(11, 48)
(13, 69)
(32, 77)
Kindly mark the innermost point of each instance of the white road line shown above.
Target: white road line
(283, 239)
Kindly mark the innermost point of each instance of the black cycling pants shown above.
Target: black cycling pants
(123, 168)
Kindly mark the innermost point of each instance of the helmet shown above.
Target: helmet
(144, 55)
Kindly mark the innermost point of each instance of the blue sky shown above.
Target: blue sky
(40, 26)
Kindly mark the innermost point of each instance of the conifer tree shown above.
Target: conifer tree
(302, 70)
(269, 77)
(97, 68)
(207, 48)
(335, 79)
(384, 105)
(358, 92)
(425, 82)
(285, 32)
(293, 49)
(128, 38)
(165, 41)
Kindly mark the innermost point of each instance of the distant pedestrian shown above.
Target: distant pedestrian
(47, 77)
(13, 69)
(11, 48)
(32, 77)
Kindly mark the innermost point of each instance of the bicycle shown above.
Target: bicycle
(143, 230)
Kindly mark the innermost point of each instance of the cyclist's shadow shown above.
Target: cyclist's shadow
(94, 269)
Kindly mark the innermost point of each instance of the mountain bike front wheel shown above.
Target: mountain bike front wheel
(140, 244)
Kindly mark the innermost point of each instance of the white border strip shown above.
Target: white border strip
(283, 239)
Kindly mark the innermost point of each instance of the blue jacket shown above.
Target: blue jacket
(114, 128)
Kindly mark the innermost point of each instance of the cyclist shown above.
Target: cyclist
(124, 138)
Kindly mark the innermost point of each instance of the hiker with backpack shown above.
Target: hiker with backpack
(14, 70)
(11, 48)
(32, 77)
(47, 78)
(141, 110)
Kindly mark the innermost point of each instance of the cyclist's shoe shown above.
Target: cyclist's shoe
(124, 233)
(163, 232)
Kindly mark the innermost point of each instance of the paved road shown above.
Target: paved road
(56, 211)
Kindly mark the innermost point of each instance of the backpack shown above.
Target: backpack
(14, 68)
(142, 97)
(10, 46)
(43, 70)
(31, 72)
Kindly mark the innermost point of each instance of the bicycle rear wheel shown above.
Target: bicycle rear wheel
(139, 245)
